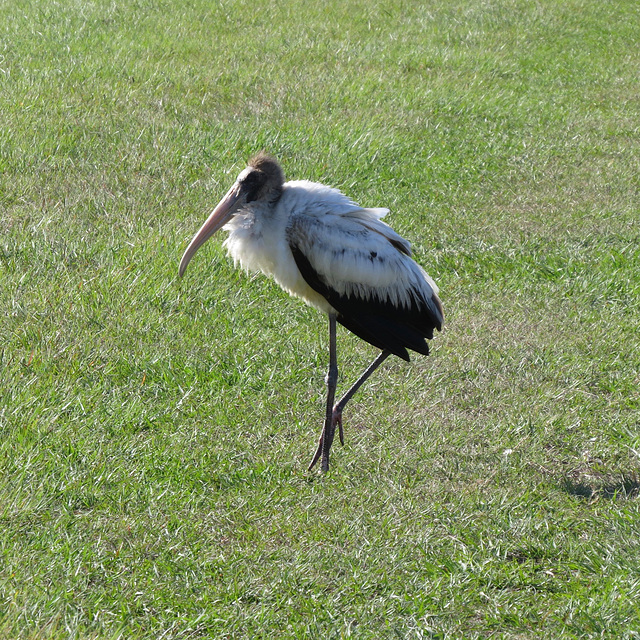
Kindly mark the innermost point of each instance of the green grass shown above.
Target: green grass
(155, 432)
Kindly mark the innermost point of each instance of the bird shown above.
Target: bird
(335, 255)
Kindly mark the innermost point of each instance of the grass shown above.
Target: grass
(155, 432)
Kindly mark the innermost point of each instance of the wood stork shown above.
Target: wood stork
(338, 257)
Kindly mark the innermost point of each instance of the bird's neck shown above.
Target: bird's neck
(252, 219)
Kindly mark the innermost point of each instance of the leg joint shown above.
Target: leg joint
(332, 376)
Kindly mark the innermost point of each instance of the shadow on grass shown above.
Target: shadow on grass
(611, 487)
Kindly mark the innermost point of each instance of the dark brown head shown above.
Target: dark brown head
(263, 178)
(261, 181)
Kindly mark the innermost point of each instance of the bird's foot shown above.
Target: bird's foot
(318, 453)
(328, 431)
(336, 418)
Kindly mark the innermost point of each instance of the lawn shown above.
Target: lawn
(155, 431)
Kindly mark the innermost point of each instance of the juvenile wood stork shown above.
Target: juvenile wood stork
(338, 257)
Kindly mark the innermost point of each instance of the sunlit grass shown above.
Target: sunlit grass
(156, 432)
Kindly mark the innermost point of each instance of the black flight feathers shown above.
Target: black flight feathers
(380, 323)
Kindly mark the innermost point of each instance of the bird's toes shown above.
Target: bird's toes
(336, 418)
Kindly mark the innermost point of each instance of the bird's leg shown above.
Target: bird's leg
(334, 413)
(332, 381)
(328, 431)
(337, 409)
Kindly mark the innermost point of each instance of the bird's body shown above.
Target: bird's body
(259, 239)
(337, 256)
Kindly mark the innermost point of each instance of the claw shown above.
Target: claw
(317, 454)
(336, 417)
(336, 420)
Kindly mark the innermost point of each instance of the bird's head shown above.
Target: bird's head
(261, 181)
